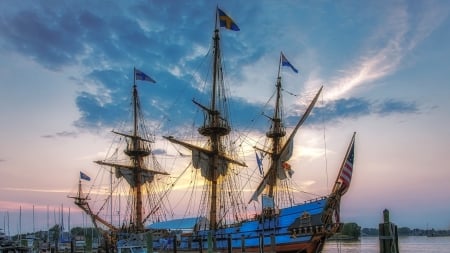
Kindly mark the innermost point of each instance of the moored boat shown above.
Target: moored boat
(221, 224)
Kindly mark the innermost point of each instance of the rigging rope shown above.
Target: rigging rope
(325, 146)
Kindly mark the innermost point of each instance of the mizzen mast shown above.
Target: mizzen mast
(276, 133)
(281, 147)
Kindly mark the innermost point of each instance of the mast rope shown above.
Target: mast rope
(325, 144)
(290, 93)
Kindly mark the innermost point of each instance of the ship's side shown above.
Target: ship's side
(300, 228)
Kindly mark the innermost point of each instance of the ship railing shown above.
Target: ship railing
(327, 230)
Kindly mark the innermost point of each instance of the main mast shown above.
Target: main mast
(215, 128)
(213, 160)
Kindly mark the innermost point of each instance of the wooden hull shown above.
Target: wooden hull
(295, 229)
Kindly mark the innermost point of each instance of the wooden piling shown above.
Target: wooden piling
(149, 242)
(388, 235)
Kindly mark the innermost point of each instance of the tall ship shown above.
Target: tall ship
(222, 222)
(281, 225)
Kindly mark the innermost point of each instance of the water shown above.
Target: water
(407, 244)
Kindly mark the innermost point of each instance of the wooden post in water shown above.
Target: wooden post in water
(175, 244)
(242, 244)
(149, 241)
(210, 242)
(229, 246)
(388, 235)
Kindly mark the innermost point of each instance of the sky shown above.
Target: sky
(66, 71)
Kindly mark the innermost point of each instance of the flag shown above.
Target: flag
(226, 21)
(288, 168)
(84, 176)
(139, 75)
(285, 62)
(259, 162)
(346, 172)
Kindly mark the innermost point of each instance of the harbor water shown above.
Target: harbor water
(407, 244)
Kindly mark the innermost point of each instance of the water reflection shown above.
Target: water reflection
(406, 244)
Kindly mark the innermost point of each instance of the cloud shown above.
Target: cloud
(61, 134)
(385, 50)
(391, 106)
(34, 190)
(159, 151)
(168, 45)
(352, 108)
(49, 37)
(95, 114)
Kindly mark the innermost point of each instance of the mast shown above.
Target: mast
(282, 148)
(276, 133)
(215, 128)
(134, 170)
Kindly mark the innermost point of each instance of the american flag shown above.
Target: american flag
(346, 173)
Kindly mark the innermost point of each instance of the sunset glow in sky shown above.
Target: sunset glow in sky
(66, 69)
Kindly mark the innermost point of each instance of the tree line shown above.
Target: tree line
(352, 230)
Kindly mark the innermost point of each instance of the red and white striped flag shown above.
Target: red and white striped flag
(347, 171)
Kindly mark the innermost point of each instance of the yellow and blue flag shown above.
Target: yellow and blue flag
(285, 62)
(226, 21)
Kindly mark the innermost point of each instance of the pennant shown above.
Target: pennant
(139, 75)
(285, 62)
(259, 162)
(84, 176)
(226, 21)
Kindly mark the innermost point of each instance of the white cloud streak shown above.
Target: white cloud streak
(398, 35)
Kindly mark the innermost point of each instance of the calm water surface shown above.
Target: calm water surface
(407, 244)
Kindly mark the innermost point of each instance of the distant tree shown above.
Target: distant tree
(54, 232)
(77, 231)
(370, 231)
(351, 229)
(404, 231)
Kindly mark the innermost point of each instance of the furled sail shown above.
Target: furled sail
(201, 160)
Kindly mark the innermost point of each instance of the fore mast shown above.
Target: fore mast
(138, 169)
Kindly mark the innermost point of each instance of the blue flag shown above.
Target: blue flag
(226, 21)
(84, 176)
(285, 62)
(139, 75)
(259, 162)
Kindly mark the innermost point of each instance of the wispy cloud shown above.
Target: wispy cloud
(34, 190)
(341, 109)
(61, 134)
(385, 51)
